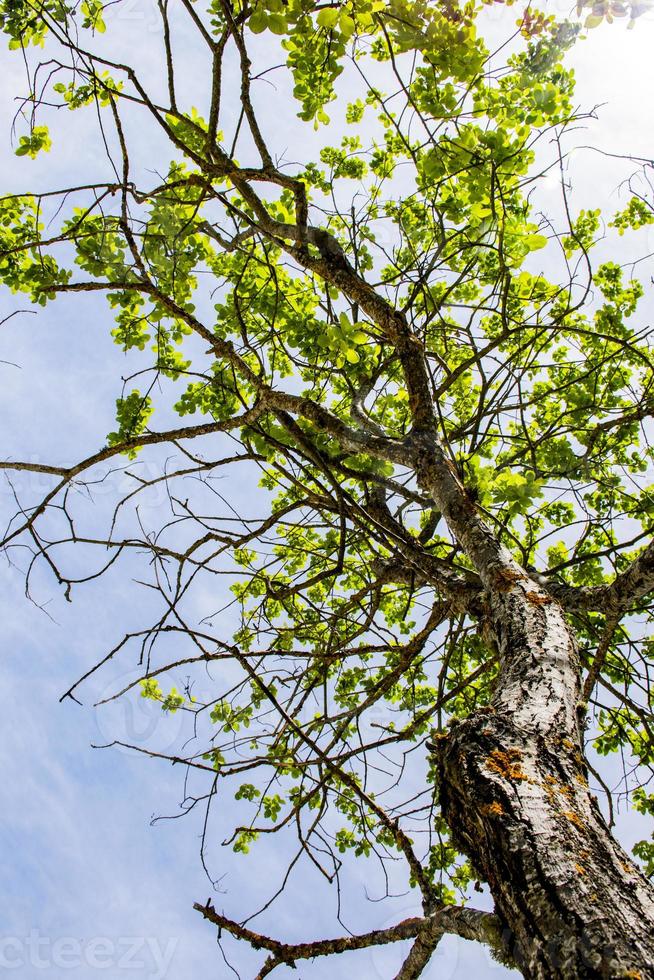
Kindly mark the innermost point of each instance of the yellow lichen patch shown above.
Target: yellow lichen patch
(506, 764)
(580, 869)
(573, 818)
(492, 809)
(553, 786)
(550, 786)
(633, 974)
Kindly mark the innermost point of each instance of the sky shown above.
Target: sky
(90, 886)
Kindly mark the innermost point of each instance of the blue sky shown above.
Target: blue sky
(89, 886)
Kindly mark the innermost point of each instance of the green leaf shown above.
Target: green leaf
(277, 24)
(258, 21)
(328, 17)
(132, 414)
(39, 139)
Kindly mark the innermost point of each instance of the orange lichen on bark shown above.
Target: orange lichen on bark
(573, 818)
(506, 577)
(555, 789)
(506, 764)
(537, 599)
(494, 809)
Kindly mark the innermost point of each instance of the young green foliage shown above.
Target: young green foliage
(302, 321)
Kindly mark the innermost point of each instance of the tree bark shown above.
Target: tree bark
(514, 791)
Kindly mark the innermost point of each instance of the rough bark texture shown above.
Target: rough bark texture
(514, 789)
(515, 793)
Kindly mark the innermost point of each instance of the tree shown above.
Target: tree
(444, 399)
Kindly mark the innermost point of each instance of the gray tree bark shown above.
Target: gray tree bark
(515, 793)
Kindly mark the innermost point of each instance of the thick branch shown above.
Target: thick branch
(467, 923)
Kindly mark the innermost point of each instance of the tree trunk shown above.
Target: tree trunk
(515, 793)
